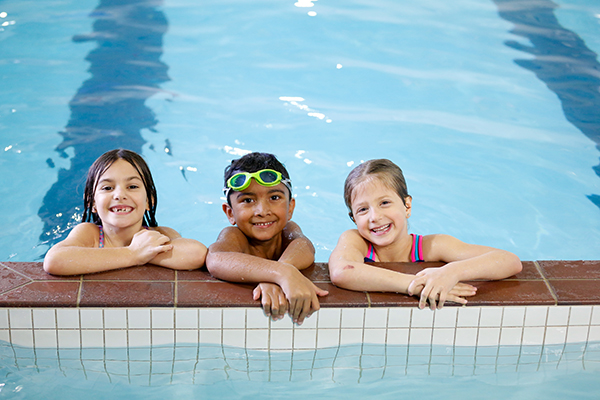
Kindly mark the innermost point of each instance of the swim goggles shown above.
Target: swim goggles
(264, 177)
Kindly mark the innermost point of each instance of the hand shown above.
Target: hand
(302, 295)
(436, 285)
(147, 244)
(273, 300)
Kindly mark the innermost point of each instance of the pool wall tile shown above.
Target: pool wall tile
(548, 303)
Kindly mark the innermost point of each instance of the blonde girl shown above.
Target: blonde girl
(376, 195)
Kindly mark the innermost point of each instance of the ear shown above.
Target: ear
(408, 202)
(351, 217)
(229, 212)
(291, 207)
(94, 209)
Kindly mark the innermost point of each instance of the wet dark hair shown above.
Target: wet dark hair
(253, 162)
(100, 166)
(386, 171)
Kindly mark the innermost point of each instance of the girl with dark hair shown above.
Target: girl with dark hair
(118, 226)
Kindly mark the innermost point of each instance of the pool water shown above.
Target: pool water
(495, 127)
(520, 372)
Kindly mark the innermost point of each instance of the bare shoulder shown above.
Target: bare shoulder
(85, 234)
(447, 248)
(231, 239)
(170, 232)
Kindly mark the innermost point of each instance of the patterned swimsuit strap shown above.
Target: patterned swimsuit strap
(101, 240)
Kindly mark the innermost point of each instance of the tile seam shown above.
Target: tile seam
(539, 268)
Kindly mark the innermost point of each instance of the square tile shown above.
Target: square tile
(44, 318)
(163, 318)
(513, 316)
(446, 317)
(21, 318)
(138, 318)
(580, 315)
(353, 317)
(115, 318)
(67, 318)
(376, 317)
(329, 318)
(91, 318)
(400, 317)
(468, 316)
(186, 318)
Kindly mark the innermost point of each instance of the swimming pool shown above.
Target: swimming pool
(494, 151)
(447, 92)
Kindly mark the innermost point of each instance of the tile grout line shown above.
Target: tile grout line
(539, 269)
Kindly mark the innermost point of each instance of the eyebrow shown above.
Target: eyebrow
(271, 191)
(112, 180)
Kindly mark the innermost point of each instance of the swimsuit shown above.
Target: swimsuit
(101, 240)
(101, 244)
(416, 252)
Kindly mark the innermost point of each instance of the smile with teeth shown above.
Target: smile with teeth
(121, 209)
(263, 224)
(381, 229)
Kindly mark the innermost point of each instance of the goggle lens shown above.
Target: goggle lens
(268, 176)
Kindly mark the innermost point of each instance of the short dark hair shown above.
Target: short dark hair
(253, 162)
(100, 166)
(388, 173)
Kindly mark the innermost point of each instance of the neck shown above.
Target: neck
(270, 249)
(399, 251)
(120, 237)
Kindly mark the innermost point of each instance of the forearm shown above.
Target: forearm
(186, 254)
(493, 265)
(363, 277)
(85, 260)
(240, 267)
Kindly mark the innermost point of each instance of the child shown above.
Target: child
(376, 196)
(120, 200)
(265, 246)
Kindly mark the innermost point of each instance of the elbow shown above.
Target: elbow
(196, 257)
(213, 264)
(340, 277)
(516, 264)
(53, 266)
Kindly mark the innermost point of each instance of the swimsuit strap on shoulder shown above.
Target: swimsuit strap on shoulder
(416, 253)
(101, 241)
(370, 253)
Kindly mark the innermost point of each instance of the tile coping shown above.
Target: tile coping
(25, 284)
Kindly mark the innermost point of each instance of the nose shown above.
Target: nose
(119, 193)
(262, 208)
(373, 214)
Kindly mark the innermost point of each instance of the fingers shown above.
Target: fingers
(416, 285)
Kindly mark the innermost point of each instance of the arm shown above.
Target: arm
(464, 262)
(186, 254)
(347, 270)
(79, 252)
(299, 250)
(229, 259)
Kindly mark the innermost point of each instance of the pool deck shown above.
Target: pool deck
(25, 284)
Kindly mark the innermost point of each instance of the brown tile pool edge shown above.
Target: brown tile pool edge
(25, 284)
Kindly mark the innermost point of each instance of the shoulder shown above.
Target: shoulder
(170, 232)
(351, 237)
(231, 239)
(445, 248)
(85, 234)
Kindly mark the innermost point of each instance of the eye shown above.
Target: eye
(385, 202)
(133, 186)
(361, 210)
(275, 197)
(247, 200)
(106, 188)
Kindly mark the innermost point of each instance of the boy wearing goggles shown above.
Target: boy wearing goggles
(264, 246)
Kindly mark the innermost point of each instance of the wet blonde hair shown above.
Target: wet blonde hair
(383, 169)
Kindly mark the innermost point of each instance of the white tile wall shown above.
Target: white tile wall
(330, 327)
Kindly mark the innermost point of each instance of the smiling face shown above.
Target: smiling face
(379, 212)
(260, 212)
(120, 197)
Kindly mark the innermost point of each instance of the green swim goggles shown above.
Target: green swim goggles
(264, 177)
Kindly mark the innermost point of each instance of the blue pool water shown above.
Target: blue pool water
(490, 107)
(209, 371)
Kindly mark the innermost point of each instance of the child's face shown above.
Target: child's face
(260, 212)
(379, 212)
(120, 197)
